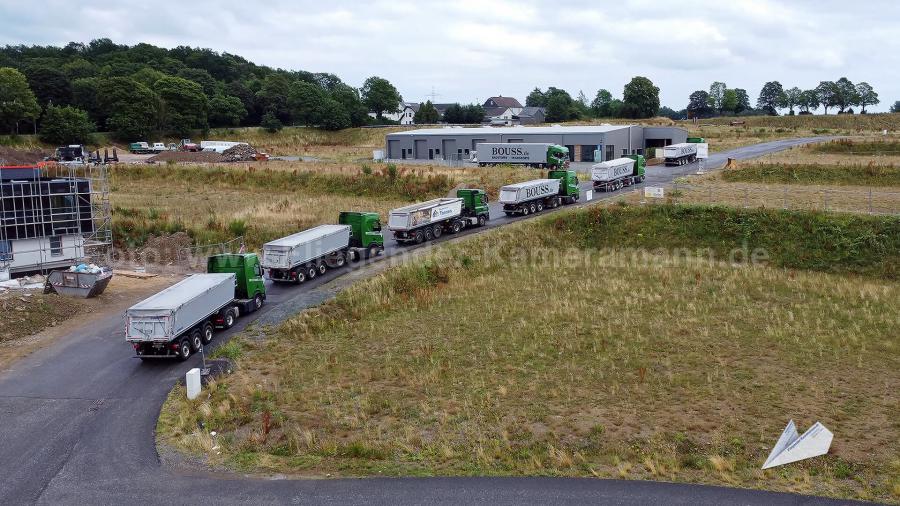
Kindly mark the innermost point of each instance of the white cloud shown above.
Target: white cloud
(470, 49)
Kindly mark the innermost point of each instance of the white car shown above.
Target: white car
(159, 147)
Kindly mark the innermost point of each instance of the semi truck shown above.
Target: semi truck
(615, 174)
(178, 321)
(560, 187)
(532, 154)
(425, 221)
(303, 256)
(680, 154)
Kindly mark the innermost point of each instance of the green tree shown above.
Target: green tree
(896, 106)
(130, 108)
(333, 116)
(827, 91)
(641, 98)
(809, 101)
(717, 96)
(427, 114)
(225, 110)
(600, 104)
(699, 105)
(560, 106)
(148, 76)
(50, 84)
(273, 96)
(730, 101)
(66, 125)
(79, 68)
(200, 76)
(17, 101)
(306, 102)
(270, 123)
(348, 97)
(380, 96)
(454, 114)
(866, 96)
(473, 114)
(743, 100)
(792, 98)
(845, 95)
(536, 99)
(183, 105)
(771, 98)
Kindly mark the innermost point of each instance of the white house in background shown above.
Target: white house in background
(405, 116)
(501, 110)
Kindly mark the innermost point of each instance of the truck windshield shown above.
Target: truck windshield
(376, 226)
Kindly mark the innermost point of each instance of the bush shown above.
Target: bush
(270, 123)
(66, 125)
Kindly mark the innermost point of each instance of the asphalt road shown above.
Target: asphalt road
(77, 424)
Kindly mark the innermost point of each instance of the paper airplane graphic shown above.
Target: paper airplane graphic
(792, 447)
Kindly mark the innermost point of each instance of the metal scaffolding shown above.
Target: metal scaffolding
(54, 214)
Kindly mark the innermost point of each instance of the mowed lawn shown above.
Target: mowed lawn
(515, 353)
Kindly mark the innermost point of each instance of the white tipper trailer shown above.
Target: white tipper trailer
(418, 222)
(680, 154)
(613, 174)
(306, 254)
(513, 153)
(178, 321)
(530, 196)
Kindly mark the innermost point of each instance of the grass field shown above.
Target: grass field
(214, 204)
(588, 352)
(830, 174)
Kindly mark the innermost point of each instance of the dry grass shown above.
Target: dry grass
(273, 199)
(352, 144)
(482, 360)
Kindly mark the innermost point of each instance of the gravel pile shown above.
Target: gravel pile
(185, 156)
(239, 153)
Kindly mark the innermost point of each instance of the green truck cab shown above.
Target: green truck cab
(568, 188)
(475, 204)
(640, 167)
(696, 140)
(365, 232)
(558, 156)
(250, 289)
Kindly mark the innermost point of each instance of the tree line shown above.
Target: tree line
(640, 99)
(841, 94)
(139, 91)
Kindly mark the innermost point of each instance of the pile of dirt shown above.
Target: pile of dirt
(187, 156)
(166, 248)
(10, 156)
(239, 153)
(25, 313)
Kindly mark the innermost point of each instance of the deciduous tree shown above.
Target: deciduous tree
(698, 105)
(866, 96)
(771, 98)
(183, 105)
(845, 94)
(717, 96)
(536, 99)
(427, 114)
(17, 101)
(600, 104)
(66, 125)
(792, 98)
(827, 92)
(641, 98)
(226, 111)
(380, 96)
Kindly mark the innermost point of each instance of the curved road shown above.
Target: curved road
(77, 423)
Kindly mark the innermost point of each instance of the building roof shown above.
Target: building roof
(545, 130)
(530, 112)
(501, 101)
(490, 112)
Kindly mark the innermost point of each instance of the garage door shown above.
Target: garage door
(393, 150)
(421, 151)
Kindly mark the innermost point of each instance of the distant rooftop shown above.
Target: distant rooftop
(586, 129)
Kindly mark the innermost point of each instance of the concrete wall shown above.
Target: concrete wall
(33, 254)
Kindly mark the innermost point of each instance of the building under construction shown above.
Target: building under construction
(53, 216)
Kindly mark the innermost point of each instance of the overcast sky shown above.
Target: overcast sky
(471, 49)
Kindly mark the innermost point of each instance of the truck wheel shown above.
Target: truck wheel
(311, 272)
(420, 237)
(196, 340)
(301, 276)
(524, 210)
(340, 260)
(184, 350)
(438, 230)
(532, 207)
(540, 206)
(321, 267)
(258, 301)
(207, 335)
(455, 227)
(429, 235)
(229, 319)
(482, 219)
(373, 251)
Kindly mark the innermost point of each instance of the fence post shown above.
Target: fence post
(870, 201)
(675, 192)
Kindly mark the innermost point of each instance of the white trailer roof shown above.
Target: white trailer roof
(182, 292)
(526, 184)
(425, 205)
(305, 236)
(680, 144)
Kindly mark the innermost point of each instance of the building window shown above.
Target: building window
(624, 152)
(6, 251)
(55, 246)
